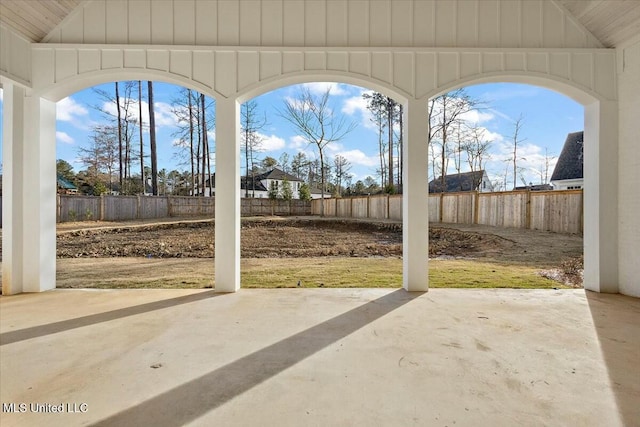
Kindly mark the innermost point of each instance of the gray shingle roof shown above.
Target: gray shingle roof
(467, 181)
(278, 174)
(571, 161)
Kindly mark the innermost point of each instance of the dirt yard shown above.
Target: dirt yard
(178, 252)
(312, 237)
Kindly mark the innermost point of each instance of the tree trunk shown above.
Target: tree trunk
(390, 107)
(193, 177)
(246, 151)
(321, 180)
(152, 142)
(205, 146)
(141, 139)
(119, 134)
(381, 152)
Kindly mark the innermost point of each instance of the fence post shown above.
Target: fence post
(138, 207)
(59, 208)
(476, 208)
(368, 205)
(351, 207)
(527, 219)
(388, 214)
(102, 207)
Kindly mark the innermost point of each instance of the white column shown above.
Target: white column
(227, 226)
(601, 197)
(29, 186)
(12, 207)
(415, 189)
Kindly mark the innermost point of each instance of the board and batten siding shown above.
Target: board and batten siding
(316, 23)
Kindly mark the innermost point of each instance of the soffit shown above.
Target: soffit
(34, 19)
(611, 21)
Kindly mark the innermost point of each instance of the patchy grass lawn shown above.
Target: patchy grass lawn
(387, 272)
(330, 272)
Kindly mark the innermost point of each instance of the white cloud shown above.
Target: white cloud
(298, 142)
(354, 105)
(164, 117)
(357, 105)
(64, 138)
(319, 88)
(163, 114)
(357, 157)
(271, 143)
(334, 147)
(68, 110)
(477, 116)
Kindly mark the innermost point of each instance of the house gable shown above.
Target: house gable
(467, 181)
(570, 164)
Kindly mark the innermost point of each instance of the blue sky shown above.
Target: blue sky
(548, 117)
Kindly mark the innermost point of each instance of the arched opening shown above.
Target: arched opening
(135, 198)
(599, 142)
(315, 139)
(498, 145)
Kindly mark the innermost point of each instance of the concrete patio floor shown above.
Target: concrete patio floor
(321, 357)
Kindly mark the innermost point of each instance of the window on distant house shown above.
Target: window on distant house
(484, 184)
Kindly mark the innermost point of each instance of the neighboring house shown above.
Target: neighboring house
(569, 173)
(466, 181)
(259, 185)
(65, 186)
(536, 187)
(316, 193)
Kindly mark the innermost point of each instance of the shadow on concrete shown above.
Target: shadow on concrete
(617, 322)
(79, 322)
(185, 403)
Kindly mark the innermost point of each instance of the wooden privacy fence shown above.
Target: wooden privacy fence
(558, 211)
(123, 208)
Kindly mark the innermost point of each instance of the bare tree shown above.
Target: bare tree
(317, 124)
(543, 172)
(515, 140)
(385, 113)
(375, 104)
(125, 120)
(186, 107)
(476, 148)
(119, 132)
(445, 113)
(101, 155)
(250, 126)
(152, 140)
(300, 165)
(341, 167)
(141, 136)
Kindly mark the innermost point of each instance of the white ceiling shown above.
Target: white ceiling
(34, 19)
(611, 21)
